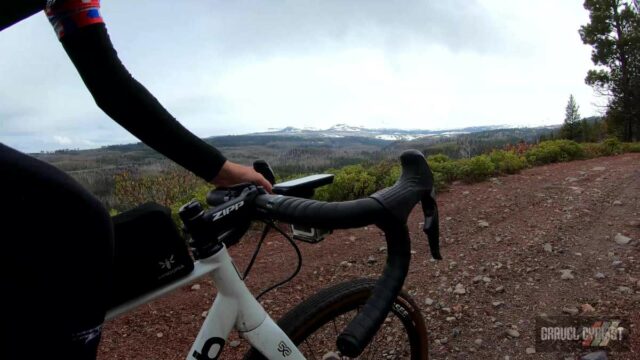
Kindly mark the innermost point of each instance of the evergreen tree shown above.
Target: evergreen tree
(614, 33)
(571, 129)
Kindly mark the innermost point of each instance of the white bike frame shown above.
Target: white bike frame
(234, 308)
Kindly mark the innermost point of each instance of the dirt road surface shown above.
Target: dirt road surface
(508, 241)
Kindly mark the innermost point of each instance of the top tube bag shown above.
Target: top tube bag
(148, 252)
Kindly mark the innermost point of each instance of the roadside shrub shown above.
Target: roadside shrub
(554, 151)
(611, 146)
(437, 159)
(447, 168)
(571, 149)
(631, 147)
(386, 173)
(439, 181)
(591, 150)
(350, 183)
(507, 162)
(475, 169)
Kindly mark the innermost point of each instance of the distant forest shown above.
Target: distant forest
(288, 155)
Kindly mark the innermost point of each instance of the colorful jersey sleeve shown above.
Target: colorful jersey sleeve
(67, 16)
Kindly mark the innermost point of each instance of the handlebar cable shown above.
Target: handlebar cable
(298, 253)
(265, 231)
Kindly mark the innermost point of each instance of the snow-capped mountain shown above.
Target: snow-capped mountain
(345, 130)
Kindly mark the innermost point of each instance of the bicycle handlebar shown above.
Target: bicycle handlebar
(388, 209)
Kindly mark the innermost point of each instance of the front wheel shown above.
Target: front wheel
(314, 325)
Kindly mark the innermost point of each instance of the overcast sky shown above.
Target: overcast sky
(232, 67)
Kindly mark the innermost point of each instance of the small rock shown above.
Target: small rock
(566, 274)
(570, 310)
(598, 355)
(499, 289)
(478, 342)
(382, 249)
(512, 333)
(497, 303)
(234, 343)
(625, 290)
(483, 224)
(446, 309)
(428, 301)
(456, 332)
(587, 308)
(486, 279)
(616, 263)
(547, 247)
(371, 260)
(195, 287)
(460, 290)
(530, 350)
(599, 168)
(159, 334)
(344, 264)
(477, 279)
(444, 341)
(621, 239)
(204, 314)
(352, 238)
(617, 202)
(599, 275)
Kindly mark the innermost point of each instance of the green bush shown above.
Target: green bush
(611, 146)
(438, 159)
(475, 169)
(439, 181)
(631, 147)
(386, 173)
(350, 182)
(447, 168)
(554, 151)
(591, 150)
(507, 162)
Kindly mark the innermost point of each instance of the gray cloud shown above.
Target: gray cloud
(238, 66)
(298, 25)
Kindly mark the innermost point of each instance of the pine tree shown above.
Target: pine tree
(571, 127)
(614, 33)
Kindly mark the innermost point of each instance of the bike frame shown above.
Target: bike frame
(234, 307)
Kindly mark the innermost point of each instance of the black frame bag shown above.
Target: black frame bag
(148, 252)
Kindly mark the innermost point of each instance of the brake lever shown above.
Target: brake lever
(263, 168)
(431, 225)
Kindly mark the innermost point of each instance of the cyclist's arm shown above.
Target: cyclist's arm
(84, 37)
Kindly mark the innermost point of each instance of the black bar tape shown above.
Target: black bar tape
(351, 214)
(366, 324)
(320, 214)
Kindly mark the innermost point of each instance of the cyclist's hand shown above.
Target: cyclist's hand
(232, 173)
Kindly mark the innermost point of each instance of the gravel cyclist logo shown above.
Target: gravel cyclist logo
(562, 333)
(284, 349)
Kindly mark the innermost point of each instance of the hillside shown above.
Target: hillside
(546, 219)
(293, 150)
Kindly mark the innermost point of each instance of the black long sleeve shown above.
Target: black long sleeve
(132, 106)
